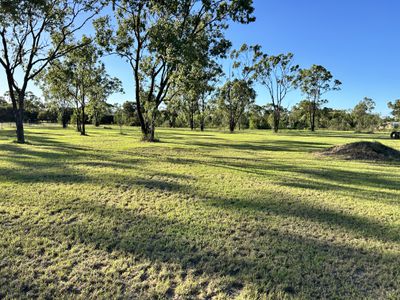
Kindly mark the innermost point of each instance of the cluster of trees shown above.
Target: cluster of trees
(361, 118)
(174, 49)
(166, 44)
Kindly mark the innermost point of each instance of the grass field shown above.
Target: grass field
(210, 215)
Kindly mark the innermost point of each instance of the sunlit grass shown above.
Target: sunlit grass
(199, 215)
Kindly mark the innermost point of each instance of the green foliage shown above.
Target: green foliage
(395, 107)
(81, 78)
(278, 74)
(119, 116)
(258, 117)
(33, 35)
(160, 40)
(363, 115)
(233, 99)
(130, 114)
(314, 83)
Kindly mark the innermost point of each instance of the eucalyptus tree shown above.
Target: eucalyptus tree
(234, 97)
(172, 110)
(395, 107)
(194, 88)
(97, 108)
(130, 115)
(119, 116)
(33, 34)
(157, 38)
(237, 94)
(206, 80)
(314, 83)
(277, 73)
(52, 83)
(103, 86)
(82, 78)
(363, 116)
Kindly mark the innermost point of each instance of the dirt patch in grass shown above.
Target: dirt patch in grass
(363, 151)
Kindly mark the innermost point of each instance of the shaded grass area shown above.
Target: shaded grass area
(210, 215)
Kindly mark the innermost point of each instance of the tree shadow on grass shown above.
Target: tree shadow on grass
(276, 145)
(271, 260)
(291, 207)
(56, 162)
(357, 184)
(334, 134)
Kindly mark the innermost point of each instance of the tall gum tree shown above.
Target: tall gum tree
(81, 77)
(195, 85)
(156, 38)
(237, 94)
(33, 33)
(314, 83)
(277, 73)
(233, 98)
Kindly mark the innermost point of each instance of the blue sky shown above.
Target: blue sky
(357, 40)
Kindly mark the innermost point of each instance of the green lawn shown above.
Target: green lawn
(206, 215)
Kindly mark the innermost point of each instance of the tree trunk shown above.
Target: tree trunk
(232, 125)
(78, 116)
(313, 117)
(277, 117)
(143, 126)
(19, 122)
(150, 129)
(19, 117)
(64, 118)
(191, 121)
(83, 131)
(202, 114)
(152, 132)
(18, 108)
(18, 102)
(78, 124)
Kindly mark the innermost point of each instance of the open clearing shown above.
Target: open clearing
(198, 215)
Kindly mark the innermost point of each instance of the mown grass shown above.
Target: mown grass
(209, 215)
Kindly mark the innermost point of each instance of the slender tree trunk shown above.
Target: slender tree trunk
(232, 125)
(83, 131)
(277, 117)
(64, 118)
(202, 114)
(313, 110)
(96, 120)
(78, 116)
(191, 121)
(139, 113)
(78, 124)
